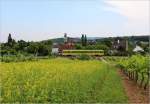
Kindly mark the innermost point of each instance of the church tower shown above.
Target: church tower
(65, 38)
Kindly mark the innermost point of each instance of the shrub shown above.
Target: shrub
(84, 57)
(18, 58)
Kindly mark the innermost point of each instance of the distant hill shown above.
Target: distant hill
(130, 38)
(61, 40)
(58, 40)
(94, 38)
(140, 38)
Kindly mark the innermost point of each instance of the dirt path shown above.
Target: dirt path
(135, 94)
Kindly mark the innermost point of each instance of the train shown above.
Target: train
(82, 52)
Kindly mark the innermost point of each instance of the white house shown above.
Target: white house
(138, 49)
(55, 48)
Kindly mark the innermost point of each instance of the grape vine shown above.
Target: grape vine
(137, 68)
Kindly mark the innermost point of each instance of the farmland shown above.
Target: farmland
(60, 80)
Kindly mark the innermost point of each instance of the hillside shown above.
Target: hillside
(130, 38)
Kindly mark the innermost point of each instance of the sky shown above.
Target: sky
(35, 20)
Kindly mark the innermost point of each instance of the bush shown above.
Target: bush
(84, 57)
(7, 59)
(18, 58)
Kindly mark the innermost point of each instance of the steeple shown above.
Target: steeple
(65, 38)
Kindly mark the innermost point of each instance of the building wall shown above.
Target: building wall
(55, 50)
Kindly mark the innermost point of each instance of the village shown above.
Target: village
(116, 45)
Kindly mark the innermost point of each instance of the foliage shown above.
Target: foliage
(17, 58)
(135, 65)
(84, 40)
(10, 40)
(136, 62)
(84, 57)
(78, 46)
(93, 47)
(11, 47)
(105, 41)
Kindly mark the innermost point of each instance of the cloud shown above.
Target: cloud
(135, 11)
(131, 9)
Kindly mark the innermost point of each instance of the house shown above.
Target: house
(120, 44)
(91, 42)
(66, 46)
(55, 48)
(138, 49)
(69, 43)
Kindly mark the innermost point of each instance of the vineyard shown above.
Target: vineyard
(137, 68)
(60, 80)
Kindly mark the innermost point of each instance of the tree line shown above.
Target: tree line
(43, 48)
(12, 47)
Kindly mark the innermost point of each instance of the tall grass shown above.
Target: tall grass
(60, 80)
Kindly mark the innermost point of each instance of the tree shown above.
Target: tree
(22, 44)
(9, 40)
(48, 46)
(78, 46)
(48, 42)
(106, 42)
(11, 47)
(82, 40)
(43, 50)
(32, 48)
(85, 40)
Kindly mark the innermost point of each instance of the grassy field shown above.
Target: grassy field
(60, 80)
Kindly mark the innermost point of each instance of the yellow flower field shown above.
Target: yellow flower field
(60, 80)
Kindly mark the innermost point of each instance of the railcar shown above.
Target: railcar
(83, 52)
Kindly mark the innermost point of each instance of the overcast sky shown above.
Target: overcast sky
(45, 19)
